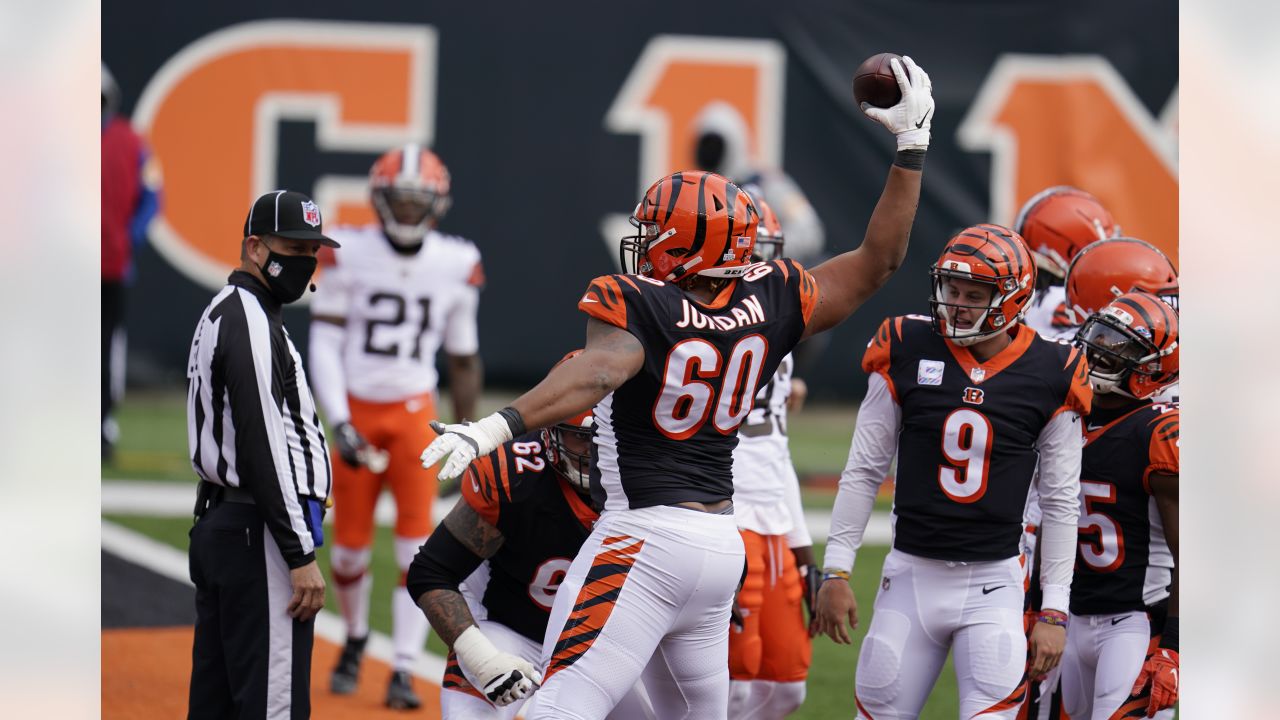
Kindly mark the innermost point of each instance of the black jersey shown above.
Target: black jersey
(967, 443)
(1122, 552)
(543, 521)
(667, 434)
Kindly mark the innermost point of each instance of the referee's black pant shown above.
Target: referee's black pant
(250, 659)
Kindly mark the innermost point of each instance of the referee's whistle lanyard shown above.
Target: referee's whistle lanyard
(287, 276)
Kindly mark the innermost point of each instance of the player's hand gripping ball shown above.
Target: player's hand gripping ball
(874, 82)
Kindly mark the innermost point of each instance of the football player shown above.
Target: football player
(389, 299)
(1057, 223)
(487, 576)
(1104, 270)
(674, 356)
(769, 648)
(1126, 580)
(972, 402)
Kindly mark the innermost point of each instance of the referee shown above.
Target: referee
(257, 445)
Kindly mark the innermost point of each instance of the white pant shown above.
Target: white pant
(648, 595)
(1103, 658)
(925, 608)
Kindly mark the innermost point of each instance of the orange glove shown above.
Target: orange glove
(1161, 670)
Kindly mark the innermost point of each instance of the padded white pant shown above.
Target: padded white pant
(926, 608)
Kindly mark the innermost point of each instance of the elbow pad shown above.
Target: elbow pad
(442, 563)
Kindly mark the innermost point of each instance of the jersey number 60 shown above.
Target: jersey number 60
(686, 402)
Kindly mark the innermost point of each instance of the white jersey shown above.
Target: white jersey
(1041, 311)
(766, 492)
(399, 310)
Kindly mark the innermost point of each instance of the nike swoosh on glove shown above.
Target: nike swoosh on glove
(1161, 669)
(464, 442)
(912, 117)
(503, 677)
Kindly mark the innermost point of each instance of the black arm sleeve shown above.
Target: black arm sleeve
(246, 356)
(442, 563)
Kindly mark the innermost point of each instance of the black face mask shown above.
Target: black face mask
(288, 275)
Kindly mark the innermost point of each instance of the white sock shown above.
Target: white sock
(352, 583)
(409, 626)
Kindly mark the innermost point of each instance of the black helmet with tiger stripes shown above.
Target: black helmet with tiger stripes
(991, 255)
(691, 223)
(1131, 345)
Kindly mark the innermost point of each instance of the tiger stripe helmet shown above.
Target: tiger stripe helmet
(1059, 222)
(411, 179)
(988, 254)
(769, 237)
(1109, 268)
(1131, 345)
(691, 223)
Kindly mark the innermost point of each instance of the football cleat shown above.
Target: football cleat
(347, 672)
(400, 694)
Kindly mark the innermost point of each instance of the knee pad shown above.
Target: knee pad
(349, 564)
(746, 652)
(879, 674)
(998, 658)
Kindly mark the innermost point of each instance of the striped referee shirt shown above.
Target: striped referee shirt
(251, 420)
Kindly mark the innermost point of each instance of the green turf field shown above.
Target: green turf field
(153, 447)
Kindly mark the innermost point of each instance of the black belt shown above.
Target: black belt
(211, 494)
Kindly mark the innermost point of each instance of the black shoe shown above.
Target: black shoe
(344, 677)
(400, 695)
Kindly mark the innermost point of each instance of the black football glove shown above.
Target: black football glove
(350, 443)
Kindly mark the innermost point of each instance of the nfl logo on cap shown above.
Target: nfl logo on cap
(310, 213)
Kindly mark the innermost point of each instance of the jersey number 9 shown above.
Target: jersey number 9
(966, 445)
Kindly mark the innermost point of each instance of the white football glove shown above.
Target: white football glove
(502, 677)
(910, 119)
(464, 442)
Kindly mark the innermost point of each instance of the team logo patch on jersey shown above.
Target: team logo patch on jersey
(884, 584)
(930, 372)
(977, 374)
(973, 396)
(311, 213)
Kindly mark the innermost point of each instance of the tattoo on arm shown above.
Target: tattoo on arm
(472, 531)
(447, 612)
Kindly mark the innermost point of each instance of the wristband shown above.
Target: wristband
(909, 159)
(1052, 617)
(833, 574)
(514, 420)
(1169, 638)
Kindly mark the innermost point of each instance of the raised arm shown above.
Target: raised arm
(847, 280)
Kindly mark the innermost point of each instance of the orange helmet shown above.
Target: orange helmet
(575, 467)
(1109, 268)
(1059, 222)
(410, 192)
(691, 223)
(1131, 345)
(991, 255)
(769, 238)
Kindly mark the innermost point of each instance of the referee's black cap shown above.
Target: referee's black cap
(287, 214)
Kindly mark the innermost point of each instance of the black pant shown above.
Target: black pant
(113, 294)
(250, 659)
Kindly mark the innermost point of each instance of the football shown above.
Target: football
(874, 82)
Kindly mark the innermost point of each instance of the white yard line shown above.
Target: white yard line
(168, 499)
(170, 562)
